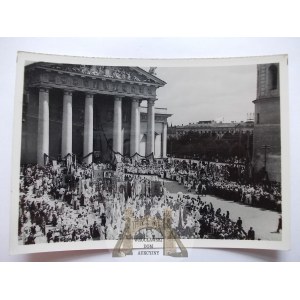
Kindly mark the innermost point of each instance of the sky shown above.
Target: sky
(207, 93)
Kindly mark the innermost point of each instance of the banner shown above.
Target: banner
(155, 188)
(121, 187)
(119, 176)
(98, 174)
(97, 154)
(80, 186)
(86, 189)
(108, 174)
(118, 157)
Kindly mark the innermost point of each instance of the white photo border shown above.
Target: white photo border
(26, 57)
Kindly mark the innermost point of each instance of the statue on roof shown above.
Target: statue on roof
(152, 70)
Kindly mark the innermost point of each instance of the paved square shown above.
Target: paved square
(264, 222)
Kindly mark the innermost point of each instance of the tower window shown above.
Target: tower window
(273, 77)
(257, 118)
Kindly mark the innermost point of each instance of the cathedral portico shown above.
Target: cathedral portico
(92, 109)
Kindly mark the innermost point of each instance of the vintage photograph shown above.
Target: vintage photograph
(104, 148)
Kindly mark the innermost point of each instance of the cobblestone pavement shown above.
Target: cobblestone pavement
(264, 222)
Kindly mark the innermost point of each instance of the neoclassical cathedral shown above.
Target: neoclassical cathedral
(91, 112)
(266, 133)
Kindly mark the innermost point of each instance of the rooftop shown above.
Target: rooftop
(157, 110)
(213, 124)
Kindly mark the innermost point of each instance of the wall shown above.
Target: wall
(268, 110)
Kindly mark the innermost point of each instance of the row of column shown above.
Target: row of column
(66, 145)
(43, 127)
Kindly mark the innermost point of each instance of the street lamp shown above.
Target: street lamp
(265, 148)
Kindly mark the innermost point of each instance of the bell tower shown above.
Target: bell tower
(266, 134)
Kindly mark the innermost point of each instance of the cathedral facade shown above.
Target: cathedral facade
(91, 112)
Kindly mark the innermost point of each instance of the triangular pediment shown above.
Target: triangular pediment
(122, 73)
(149, 76)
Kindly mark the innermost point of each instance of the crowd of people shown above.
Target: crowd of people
(83, 203)
(59, 207)
(226, 181)
(202, 220)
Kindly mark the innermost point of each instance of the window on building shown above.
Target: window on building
(257, 118)
(273, 77)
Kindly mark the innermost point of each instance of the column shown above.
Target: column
(43, 126)
(158, 145)
(164, 140)
(26, 143)
(88, 128)
(117, 128)
(66, 142)
(150, 128)
(135, 127)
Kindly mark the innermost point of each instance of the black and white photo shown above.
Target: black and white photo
(198, 141)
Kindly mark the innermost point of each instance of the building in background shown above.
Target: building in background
(161, 131)
(212, 127)
(266, 134)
